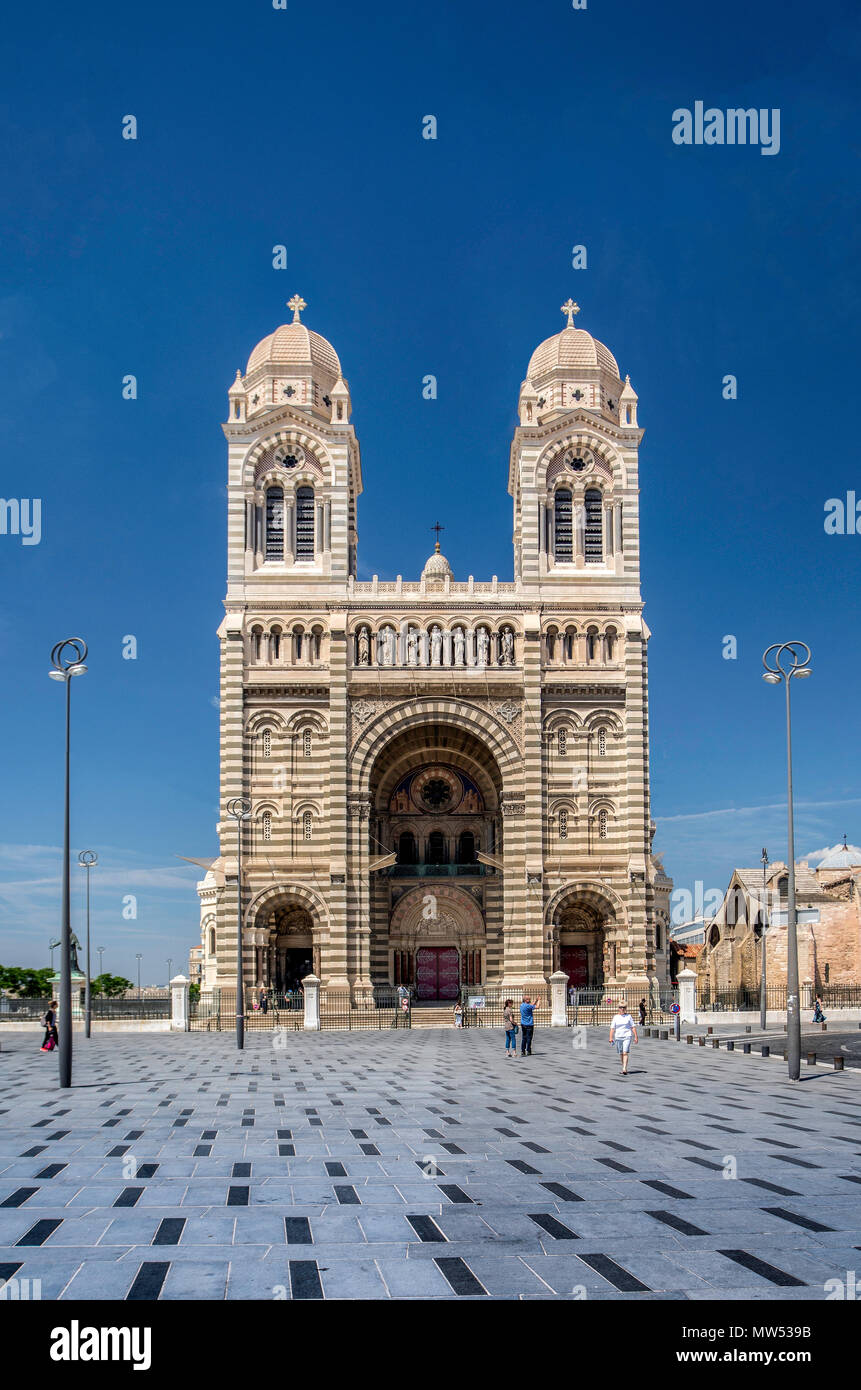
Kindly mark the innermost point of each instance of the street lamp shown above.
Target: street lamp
(764, 929)
(777, 670)
(88, 859)
(169, 966)
(101, 951)
(139, 958)
(68, 660)
(239, 809)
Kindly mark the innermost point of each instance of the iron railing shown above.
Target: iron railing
(488, 1014)
(383, 1008)
(215, 1011)
(594, 1007)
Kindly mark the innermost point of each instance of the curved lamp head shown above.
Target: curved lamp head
(783, 660)
(68, 659)
(88, 858)
(239, 808)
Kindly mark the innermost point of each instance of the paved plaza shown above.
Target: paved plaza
(423, 1165)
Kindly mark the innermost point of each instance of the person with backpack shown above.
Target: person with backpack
(49, 1023)
(510, 1028)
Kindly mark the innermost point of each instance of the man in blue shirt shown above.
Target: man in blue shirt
(527, 1026)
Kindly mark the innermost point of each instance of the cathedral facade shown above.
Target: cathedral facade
(448, 777)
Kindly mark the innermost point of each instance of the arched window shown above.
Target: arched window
(602, 825)
(563, 824)
(305, 523)
(267, 743)
(267, 826)
(466, 848)
(436, 848)
(564, 547)
(255, 643)
(297, 643)
(306, 825)
(306, 743)
(212, 941)
(562, 742)
(602, 743)
(275, 643)
(783, 886)
(591, 643)
(611, 643)
(657, 936)
(275, 523)
(407, 848)
(594, 540)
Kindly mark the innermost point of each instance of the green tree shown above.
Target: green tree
(109, 986)
(26, 983)
(194, 991)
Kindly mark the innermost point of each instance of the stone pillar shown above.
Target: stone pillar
(179, 1013)
(807, 994)
(558, 989)
(335, 961)
(311, 986)
(687, 996)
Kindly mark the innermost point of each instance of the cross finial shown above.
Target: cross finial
(845, 846)
(297, 304)
(570, 308)
(436, 527)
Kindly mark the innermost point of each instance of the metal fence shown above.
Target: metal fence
(600, 1006)
(748, 1000)
(215, 1011)
(488, 1012)
(22, 1010)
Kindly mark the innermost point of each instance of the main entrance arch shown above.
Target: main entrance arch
(588, 935)
(437, 940)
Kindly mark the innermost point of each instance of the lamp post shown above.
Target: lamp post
(101, 951)
(240, 810)
(88, 859)
(138, 958)
(764, 925)
(68, 660)
(52, 946)
(788, 659)
(169, 966)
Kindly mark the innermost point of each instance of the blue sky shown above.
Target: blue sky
(260, 127)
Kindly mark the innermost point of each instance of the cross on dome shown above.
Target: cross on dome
(436, 527)
(570, 308)
(297, 304)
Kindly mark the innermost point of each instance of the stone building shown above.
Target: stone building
(449, 778)
(828, 900)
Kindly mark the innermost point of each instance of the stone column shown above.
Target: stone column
(335, 963)
(311, 986)
(558, 1011)
(447, 658)
(806, 994)
(687, 996)
(179, 1012)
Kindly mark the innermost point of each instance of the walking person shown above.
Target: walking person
(642, 1011)
(49, 1022)
(622, 1029)
(818, 1015)
(510, 1028)
(263, 999)
(527, 1026)
(458, 1015)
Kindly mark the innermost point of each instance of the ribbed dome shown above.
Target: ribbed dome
(295, 345)
(841, 857)
(572, 348)
(437, 566)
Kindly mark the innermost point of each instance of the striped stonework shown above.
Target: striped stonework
(439, 769)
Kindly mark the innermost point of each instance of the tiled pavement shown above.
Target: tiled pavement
(423, 1165)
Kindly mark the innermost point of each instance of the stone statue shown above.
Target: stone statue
(459, 646)
(482, 646)
(436, 646)
(412, 647)
(507, 656)
(364, 647)
(388, 646)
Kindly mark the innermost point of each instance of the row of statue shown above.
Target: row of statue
(439, 647)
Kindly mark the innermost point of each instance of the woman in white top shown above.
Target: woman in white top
(622, 1029)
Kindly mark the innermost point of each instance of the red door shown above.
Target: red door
(574, 961)
(437, 972)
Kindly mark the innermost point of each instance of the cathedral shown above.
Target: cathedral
(448, 777)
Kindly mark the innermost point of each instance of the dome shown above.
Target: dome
(841, 857)
(294, 345)
(571, 350)
(437, 566)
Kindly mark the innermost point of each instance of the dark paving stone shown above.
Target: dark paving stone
(553, 1226)
(305, 1280)
(608, 1269)
(668, 1218)
(148, 1281)
(459, 1276)
(763, 1269)
(170, 1229)
(797, 1220)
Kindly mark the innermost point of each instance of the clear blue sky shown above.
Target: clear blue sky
(451, 257)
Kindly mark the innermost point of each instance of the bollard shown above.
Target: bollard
(663, 1035)
(838, 1063)
(689, 1038)
(748, 1028)
(824, 1027)
(811, 1059)
(745, 1047)
(715, 1042)
(701, 1041)
(730, 1047)
(711, 1030)
(766, 1051)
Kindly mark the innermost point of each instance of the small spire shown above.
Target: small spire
(570, 308)
(297, 304)
(845, 846)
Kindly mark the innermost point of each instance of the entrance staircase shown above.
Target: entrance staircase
(433, 1015)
